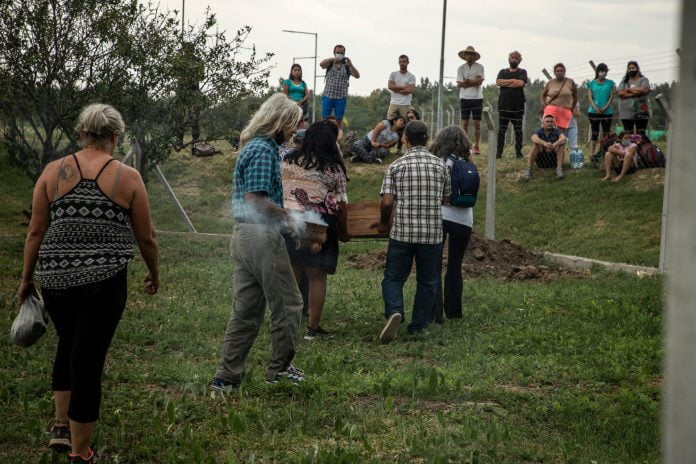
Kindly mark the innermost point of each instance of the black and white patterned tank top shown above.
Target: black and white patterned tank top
(89, 238)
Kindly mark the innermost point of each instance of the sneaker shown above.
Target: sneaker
(90, 459)
(378, 160)
(291, 373)
(389, 331)
(527, 174)
(311, 333)
(60, 437)
(559, 173)
(223, 385)
(477, 151)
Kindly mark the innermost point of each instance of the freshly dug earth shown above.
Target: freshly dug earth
(496, 258)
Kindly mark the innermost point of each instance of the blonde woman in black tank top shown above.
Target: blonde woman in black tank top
(86, 209)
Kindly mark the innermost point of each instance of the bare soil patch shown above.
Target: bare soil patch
(501, 259)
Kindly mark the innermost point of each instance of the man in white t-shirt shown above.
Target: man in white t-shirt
(469, 80)
(401, 83)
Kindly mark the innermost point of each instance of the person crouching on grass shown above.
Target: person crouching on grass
(263, 274)
(548, 149)
(620, 156)
(420, 183)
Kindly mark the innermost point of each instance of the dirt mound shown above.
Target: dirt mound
(496, 258)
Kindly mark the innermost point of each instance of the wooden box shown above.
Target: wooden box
(362, 218)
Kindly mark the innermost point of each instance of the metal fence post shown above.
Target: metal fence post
(679, 420)
(666, 109)
(490, 186)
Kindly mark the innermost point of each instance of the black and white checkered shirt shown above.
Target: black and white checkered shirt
(336, 82)
(418, 180)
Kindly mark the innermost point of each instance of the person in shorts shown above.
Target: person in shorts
(621, 157)
(339, 68)
(470, 82)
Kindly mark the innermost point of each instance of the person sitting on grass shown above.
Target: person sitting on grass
(418, 183)
(621, 157)
(314, 180)
(548, 149)
(374, 147)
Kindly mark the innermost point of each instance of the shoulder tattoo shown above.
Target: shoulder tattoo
(66, 173)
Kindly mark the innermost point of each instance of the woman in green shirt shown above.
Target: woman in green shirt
(296, 89)
(601, 95)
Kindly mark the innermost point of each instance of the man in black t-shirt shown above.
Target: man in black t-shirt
(511, 101)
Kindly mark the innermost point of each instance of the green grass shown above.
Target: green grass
(557, 372)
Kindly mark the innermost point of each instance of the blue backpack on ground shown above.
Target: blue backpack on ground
(465, 183)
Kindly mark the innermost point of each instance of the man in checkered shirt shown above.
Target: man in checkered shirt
(419, 183)
(338, 70)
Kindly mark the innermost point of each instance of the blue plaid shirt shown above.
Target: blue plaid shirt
(257, 170)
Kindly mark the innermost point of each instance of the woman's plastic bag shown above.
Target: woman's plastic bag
(31, 322)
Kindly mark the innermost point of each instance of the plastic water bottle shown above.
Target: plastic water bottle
(576, 158)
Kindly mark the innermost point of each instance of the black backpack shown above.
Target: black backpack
(465, 183)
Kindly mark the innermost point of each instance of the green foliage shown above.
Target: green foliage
(59, 56)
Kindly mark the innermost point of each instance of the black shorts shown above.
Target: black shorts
(546, 159)
(471, 108)
(327, 258)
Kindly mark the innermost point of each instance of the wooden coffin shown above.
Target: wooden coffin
(362, 218)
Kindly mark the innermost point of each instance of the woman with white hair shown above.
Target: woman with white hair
(85, 211)
(263, 273)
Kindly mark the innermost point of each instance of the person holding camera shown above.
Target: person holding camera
(339, 69)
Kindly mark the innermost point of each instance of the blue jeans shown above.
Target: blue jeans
(399, 260)
(337, 105)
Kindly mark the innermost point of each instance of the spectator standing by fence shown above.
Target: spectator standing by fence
(634, 105)
(296, 89)
(401, 83)
(470, 78)
(511, 102)
(600, 92)
(338, 70)
(559, 98)
(418, 182)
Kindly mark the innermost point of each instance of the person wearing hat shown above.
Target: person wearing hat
(469, 80)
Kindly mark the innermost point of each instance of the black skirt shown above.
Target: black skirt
(327, 258)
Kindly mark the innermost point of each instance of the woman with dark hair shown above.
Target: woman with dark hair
(451, 144)
(634, 105)
(560, 97)
(601, 95)
(314, 179)
(376, 144)
(296, 89)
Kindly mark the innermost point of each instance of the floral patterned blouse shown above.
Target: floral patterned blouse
(313, 189)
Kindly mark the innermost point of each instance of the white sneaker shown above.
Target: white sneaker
(389, 331)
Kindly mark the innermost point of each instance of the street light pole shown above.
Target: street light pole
(314, 91)
(442, 67)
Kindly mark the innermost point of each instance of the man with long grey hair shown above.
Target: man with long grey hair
(263, 273)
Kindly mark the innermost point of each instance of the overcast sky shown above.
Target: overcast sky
(375, 33)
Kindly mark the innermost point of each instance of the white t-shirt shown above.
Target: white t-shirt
(464, 216)
(401, 79)
(466, 72)
(387, 136)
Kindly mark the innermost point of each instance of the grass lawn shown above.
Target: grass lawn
(556, 372)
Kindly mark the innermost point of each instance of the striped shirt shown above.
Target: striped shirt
(419, 180)
(257, 170)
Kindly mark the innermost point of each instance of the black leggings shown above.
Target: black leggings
(639, 124)
(85, 318)
(595, 121)
(459, 236)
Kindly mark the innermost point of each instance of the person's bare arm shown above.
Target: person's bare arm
(561, 140)
(509, 83)
(40, 220)
(407, 89)
(326, 62)
(611, 99)
(386, 206)
(592, 103)
(574, 92)
(285, 89)
(543, 95)
(638, 91)
(143, 230)
(375, 133)
(343, 222)
(353, 70)
(394, 87)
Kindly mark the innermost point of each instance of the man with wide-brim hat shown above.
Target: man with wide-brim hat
(469, 80)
